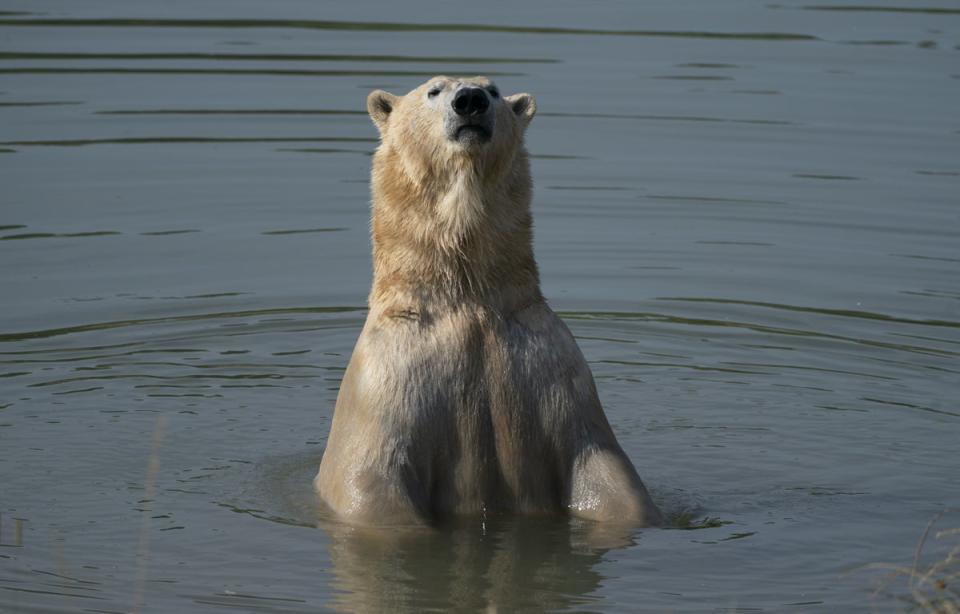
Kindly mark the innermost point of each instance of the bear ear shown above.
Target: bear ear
(524, 106)
(379, 105)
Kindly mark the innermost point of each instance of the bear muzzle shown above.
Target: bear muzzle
(470, 118)
(470, 102)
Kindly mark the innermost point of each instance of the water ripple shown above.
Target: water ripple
(269, 57)
(751, 326)
(912, 406)
(39, 103)
(68, 330)
(59, 235)
(370, 26)
(881, 9)
(232, 112)
(673, 118)
(276, 72)
(147, 140)
(846, 313)
(297, 231)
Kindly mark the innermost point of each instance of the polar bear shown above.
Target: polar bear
(465, 394)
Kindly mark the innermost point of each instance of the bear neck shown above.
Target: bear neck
(452, 236)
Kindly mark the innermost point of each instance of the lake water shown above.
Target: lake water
(747, 213)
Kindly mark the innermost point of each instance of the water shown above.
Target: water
(747, 215)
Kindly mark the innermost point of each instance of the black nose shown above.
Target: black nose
(470, 101)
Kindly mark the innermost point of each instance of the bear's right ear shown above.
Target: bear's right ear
(379, 105)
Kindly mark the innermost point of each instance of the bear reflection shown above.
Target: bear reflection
(495, 564)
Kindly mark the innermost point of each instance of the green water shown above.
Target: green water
(747, 213)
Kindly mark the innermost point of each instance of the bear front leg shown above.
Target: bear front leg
(375, 497)
(604, 486)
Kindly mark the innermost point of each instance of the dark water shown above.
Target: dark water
(746, 212)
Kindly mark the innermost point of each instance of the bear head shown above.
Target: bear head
(449, 121)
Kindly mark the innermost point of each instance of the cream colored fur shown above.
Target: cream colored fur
(465, 393)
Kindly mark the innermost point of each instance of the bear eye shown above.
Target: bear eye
(494, 92)
(433, 93)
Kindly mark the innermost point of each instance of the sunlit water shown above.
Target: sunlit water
(747, 214)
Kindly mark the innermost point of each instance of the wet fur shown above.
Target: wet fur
(465, 392)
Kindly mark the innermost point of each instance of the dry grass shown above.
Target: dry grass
(931, 586)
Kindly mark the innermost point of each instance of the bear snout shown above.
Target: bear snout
(471, 120)
(470, 101)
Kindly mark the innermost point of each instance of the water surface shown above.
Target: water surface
(748, 216)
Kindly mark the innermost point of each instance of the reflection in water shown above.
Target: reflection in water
(17, 533)
(497, 562)
(494, 564)
(149, 492)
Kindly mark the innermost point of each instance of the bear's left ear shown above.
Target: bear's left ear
(379, 105)
(524, 106)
